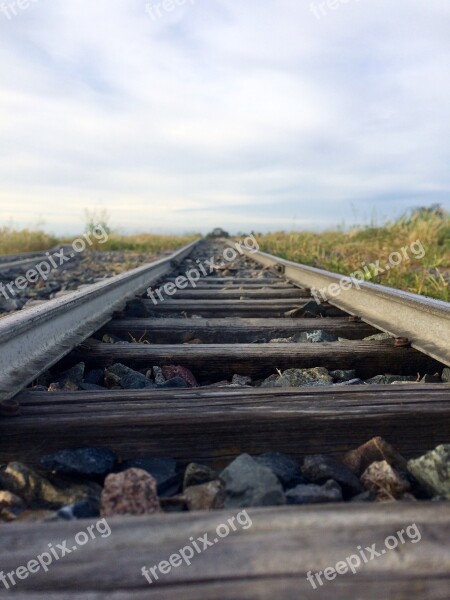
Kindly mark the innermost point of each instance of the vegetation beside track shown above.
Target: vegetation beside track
(16, 241)
(344, 251)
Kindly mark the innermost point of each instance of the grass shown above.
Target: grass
(146, 242)
(346, 251)
(15, 241)
(339, 250)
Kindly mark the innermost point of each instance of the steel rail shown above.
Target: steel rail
(23, 259)
(424, 321)
(34, 339)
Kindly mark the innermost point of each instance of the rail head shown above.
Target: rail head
(33, 340)
(424, 321)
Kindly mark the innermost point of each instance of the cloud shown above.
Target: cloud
(246, 115)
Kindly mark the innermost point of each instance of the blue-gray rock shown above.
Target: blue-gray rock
(342, 375)
(81, 510)
(319, 468)
(249, 483)
(355, 381)
(175, 382)
(94, 376)
(158, 375)
(330, 491)
(378, 337)
(285, 467)
(136, 309)
(367, 496)
(431, 378)
(432, 471)
(310, 310)
(83, 462)
(315, 337)
(72, 378)
(299, 378)
(91, 387)
(388, 379)
(129, 379)
(164, 470)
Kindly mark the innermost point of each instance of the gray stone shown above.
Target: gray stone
(94, 377)
(340, 376)
(81, 510)
(86, 462)
(127, 378)
(315, 494)
(388, 379)
(310, 310)
(158, 375)
(175, 382)
(432, 471)
(430, 378)
(250, 484)
(136, 309)
(367, 496)
(270, 381)
(163, 470)
(378, 337)
(91, 387)
(446, 375)
(10, 304)
(72, 378)
(241, 380)
(319, 468)
(285, 467)
(352, 382)
(315, 337)
(304, 377)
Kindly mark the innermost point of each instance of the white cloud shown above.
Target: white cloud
(242, 114)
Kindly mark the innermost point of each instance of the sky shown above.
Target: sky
(183, 115)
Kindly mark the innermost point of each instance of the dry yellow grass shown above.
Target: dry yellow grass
(16, 241)
(346, 251)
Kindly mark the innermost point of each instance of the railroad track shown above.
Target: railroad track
(249, 318)
(26, 259)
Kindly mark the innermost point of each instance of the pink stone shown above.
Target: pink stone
(172, 371)
(132, 492)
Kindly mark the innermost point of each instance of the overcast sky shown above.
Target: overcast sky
(248, 114)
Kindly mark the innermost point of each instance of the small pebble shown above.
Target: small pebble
(432, 471)
(388, 483)
(330, 491)
(132, 492)
(250, 484)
